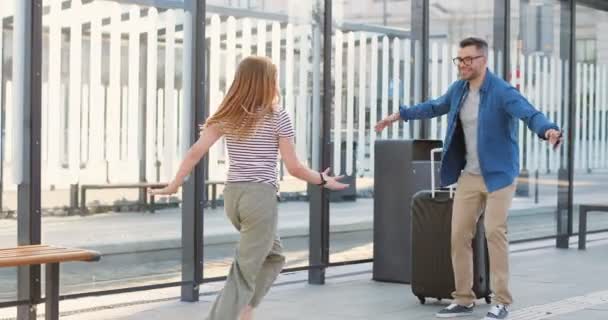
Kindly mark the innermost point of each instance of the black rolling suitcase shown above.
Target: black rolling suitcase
(432, 272)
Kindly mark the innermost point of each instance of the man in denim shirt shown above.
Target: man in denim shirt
(480, 153)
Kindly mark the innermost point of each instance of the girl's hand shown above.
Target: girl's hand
(171, 188)
(333, 183)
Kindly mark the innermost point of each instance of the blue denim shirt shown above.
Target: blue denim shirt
(500, 108)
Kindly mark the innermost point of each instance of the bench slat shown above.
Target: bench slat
(16, 254)
(125, 185)
(32, 247)
(35, 248)
(22, 261)
(41, 254)
(594, 207)
(133, 185)
(44, 250)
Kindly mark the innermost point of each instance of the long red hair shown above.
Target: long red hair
(251, 97)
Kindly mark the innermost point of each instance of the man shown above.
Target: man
(481, 154)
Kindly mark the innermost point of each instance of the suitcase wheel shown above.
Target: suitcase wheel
(488, 299)
(421, 299)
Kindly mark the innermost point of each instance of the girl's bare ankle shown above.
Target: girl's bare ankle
(247, 313)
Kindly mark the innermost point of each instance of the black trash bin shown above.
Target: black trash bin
(401, 168)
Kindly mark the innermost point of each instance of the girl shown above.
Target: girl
(256, 130)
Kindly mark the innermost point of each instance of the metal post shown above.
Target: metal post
(319, 197)
(52, 291)
(523, 186)
(316, 96)
(27, 78)
(536, 186)
(502, 36)
(73, 198)
(193, 204)
(384, 12)
(582, 227)
(2, 119)
(83, 201)
(565, 196)
(420, 32)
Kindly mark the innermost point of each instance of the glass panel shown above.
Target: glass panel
(288, 32)
(444, 42)
(113, 114)
(591, 140)
(372, 67)
(539, 70)
(9, 145)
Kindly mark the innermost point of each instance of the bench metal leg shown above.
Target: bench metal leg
(73, 198)
(213, 196)
(152, 204)
(52, 291)
(143, 197)
(582, 228)
(83, 201)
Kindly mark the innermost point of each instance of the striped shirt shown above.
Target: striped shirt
(254, 159)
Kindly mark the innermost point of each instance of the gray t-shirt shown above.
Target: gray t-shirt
(468, 117)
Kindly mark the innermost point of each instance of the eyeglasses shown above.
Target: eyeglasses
(467, 61)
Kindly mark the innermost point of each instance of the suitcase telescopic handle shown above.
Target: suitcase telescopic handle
(433, 152)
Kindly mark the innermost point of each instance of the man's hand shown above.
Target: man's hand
(554, 137)
(387, 121)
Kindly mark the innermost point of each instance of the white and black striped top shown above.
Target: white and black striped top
(254, 159)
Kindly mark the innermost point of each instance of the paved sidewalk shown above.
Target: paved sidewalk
(141, 248)
(547, 283)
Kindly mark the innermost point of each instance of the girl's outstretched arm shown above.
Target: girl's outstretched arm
(302, 172)
(209, 135)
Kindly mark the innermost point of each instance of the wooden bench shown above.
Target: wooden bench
(50, 256)
(142, 185)
(583, 209)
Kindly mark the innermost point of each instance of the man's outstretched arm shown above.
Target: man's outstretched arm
(425, 110)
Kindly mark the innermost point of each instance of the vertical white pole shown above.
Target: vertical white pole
(261, 47)
(214, 89)
(151, 95)
(407, 72)
(113, 111)
(170, 116)
(247, 37)
(338, 102)
(434, 78)
(396, 84)
(133, 105)
(54, 101)
(19, 69)
(350, 101)
(373, 97)
(303, 110)
(361, 145)
(384, 93)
